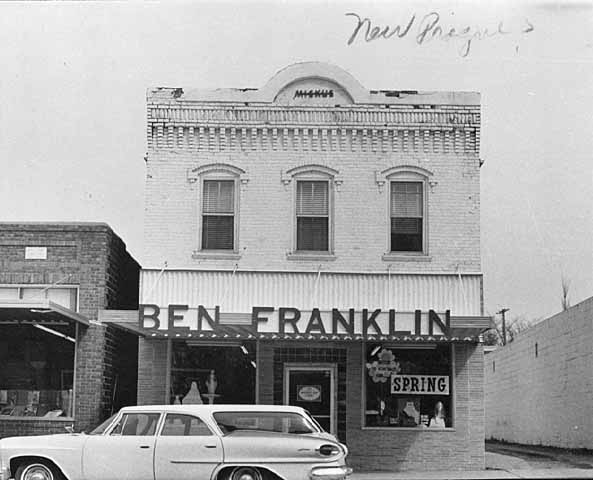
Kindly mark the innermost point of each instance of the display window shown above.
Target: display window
(408, 386)
(203, 373)
(36, 378)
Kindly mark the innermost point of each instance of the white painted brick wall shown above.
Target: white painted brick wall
(546, 400)
(361, 215)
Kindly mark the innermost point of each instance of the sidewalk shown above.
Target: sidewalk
(528, 473)
(499, 466)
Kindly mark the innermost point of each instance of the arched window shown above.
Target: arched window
(219, 206)
(313, 206)
(408, 202)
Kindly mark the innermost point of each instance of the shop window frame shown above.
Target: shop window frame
(169, 369)
(47, 287)
(452, 393)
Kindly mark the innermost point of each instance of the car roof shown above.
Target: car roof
(205, 409)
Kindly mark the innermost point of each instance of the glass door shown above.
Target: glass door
(312, 387)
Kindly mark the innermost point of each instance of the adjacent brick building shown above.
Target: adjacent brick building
(551, 365)
(58, 365)
(316, 243)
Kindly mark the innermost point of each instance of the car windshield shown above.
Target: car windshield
(282, 422)
(103, 426)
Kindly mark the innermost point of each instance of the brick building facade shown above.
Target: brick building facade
(58, 365)
(551, 365)
(315, 243)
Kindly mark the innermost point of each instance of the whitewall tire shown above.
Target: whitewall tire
(35, 471)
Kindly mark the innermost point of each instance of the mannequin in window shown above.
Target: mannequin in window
(438, 419)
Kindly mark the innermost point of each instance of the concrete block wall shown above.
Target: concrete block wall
(266, 209)
(93, 258)
(544, 398)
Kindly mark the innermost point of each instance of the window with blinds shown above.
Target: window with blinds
(407, 216)
(312, 211)
(218, 215)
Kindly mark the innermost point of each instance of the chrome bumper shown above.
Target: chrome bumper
(330, 473)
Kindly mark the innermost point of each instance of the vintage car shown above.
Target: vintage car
(183, 442)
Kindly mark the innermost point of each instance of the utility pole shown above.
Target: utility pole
(504, 327)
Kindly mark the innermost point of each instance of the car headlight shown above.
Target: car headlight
(330, 473)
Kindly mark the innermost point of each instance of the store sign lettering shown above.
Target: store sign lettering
(314, 93)
(420, 384)
(285, 320)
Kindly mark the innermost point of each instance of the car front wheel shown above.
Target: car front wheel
(245, 473)
(35, 471)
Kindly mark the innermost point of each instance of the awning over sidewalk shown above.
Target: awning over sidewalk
(235, 327)
(124, 319)
(470, 326)
(43, 312)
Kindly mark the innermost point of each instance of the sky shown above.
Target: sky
(73, 81)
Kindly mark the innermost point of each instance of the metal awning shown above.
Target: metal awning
(41, 312)
(124, 319)
(470, 326)
(462, 329)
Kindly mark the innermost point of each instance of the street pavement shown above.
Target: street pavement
(504, 461)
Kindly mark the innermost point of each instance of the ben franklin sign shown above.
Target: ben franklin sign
(288, 320)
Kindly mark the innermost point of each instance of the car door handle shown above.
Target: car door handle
(209, 446)
(144, 446)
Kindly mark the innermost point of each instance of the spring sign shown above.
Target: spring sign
(420, 384)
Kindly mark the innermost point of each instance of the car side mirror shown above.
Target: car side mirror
(69, 428)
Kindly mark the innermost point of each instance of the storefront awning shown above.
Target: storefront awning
(470, 326)
(124, 319)
(41, 312)
(239, 327)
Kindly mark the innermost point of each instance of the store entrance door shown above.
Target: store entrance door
(312, 386)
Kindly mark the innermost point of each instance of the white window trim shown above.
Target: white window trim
(407, 173)
(218, 171)
(313, 176)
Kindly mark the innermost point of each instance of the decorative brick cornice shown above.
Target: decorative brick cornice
(313, 106)
(214, 138)
(443, 115)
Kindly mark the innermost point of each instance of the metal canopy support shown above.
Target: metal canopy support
(54, 332)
